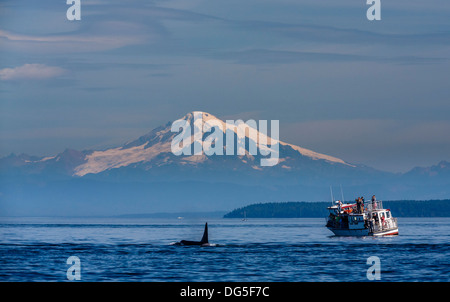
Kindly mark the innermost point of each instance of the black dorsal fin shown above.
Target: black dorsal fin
(205, 234)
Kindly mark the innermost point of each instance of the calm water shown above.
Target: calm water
(36, 249)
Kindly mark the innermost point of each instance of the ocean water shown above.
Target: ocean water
(256, 250)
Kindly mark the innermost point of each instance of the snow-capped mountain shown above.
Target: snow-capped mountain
(153, 150)
(144, 175)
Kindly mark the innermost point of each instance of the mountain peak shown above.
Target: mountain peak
(154, 149)
(205, 116)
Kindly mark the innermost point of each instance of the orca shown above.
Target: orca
(203, 242)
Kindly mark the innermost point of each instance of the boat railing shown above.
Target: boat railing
(374, 205)
(388, 224)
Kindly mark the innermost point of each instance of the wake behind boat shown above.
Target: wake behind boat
(361, 219)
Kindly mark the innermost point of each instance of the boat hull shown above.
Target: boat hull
(387, 233)
(362, 232)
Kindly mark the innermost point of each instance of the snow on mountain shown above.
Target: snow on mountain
(99, 161)
(316, 156)
(158, 141)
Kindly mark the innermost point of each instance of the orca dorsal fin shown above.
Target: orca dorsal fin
(205, 235)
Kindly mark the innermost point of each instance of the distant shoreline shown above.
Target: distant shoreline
(303, 209)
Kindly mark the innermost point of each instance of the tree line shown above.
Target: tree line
(303, 209)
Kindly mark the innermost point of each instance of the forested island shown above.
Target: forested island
(302, 209)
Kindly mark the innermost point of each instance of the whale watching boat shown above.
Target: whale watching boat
(361, 219)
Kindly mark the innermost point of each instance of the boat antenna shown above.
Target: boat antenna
(342, 193)
(332, 198)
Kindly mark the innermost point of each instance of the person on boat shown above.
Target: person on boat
(371, 225)
(375, 218)
(339, 204)
(362, 204)
(383, 221)
(359, 205)
(374, 202)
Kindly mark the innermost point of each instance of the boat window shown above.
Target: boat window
(388, 214)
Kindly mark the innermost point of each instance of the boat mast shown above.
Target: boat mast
(332, 198)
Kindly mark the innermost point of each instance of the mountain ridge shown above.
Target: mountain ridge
(152, 144)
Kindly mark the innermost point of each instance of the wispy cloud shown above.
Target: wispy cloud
(31, 71)
(334, 34)
(104, 36)
(269, 56)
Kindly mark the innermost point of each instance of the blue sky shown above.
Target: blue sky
(375, 93)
